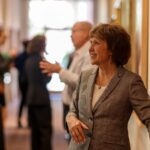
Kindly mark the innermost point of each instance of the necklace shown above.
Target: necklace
(99, 85)
(102, 81)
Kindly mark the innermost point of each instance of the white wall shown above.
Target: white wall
(13, 14)
(1, 12)
(24, 6)
(101, 11)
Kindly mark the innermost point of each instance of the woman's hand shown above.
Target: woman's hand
(49, 68)
(76, 129)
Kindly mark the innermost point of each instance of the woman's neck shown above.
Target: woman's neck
(105, 74)
(107, 70)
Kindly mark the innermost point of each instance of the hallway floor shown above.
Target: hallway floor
(19, 138)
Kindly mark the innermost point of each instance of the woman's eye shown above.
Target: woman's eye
(96, 43)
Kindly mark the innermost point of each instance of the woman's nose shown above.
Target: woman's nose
(91, 48)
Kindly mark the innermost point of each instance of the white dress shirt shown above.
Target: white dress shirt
(80, 61)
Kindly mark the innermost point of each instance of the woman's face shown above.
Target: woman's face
(99, 52)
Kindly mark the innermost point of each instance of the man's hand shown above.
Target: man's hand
(49, 68)
(76, 128)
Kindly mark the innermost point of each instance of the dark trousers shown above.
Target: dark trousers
(41, 127)
(23, 90)
(21, 105)
(1, 131)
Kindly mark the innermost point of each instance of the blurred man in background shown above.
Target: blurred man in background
(80, 60)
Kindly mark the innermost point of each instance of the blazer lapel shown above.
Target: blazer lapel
(111, 86)
(90, 87)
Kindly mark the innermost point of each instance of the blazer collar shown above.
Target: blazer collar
(90, 87)
(111, 86)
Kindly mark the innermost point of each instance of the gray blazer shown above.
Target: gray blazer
(108, 120)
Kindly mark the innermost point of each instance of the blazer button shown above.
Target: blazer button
(89, 134)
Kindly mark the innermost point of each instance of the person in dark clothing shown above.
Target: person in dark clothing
(1, 131)
(4, 65)
(39, 108)
(19, 64)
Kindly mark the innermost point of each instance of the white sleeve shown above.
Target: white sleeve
(68, 77)
(87, 62)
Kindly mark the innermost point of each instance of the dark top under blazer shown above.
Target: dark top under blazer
(108, 120)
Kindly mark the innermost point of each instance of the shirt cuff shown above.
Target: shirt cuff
(61, 74)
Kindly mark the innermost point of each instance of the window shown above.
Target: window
(55, 18)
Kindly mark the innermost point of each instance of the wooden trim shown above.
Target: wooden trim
(144, 47)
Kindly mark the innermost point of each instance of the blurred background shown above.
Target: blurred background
(23, 19)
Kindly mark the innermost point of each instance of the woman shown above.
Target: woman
(38, 97)
(107, 94)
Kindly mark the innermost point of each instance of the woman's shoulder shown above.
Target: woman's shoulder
(130, 74)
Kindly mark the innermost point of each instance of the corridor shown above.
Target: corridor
(19, 139)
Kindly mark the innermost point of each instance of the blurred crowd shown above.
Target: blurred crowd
(99, 94)
(32, 82)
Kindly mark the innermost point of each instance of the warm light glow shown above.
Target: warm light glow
(51, 17)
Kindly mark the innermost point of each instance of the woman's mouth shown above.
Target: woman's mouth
(92, 55)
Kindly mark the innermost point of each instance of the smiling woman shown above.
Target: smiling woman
(112, 37)
(99, 119)
(99, 52)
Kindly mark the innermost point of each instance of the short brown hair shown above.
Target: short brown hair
(37, 44)
(117, 39)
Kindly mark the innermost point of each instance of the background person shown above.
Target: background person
(39, 106)
(107, 94)
(19, 62)
(80, 60)
(4, 67)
